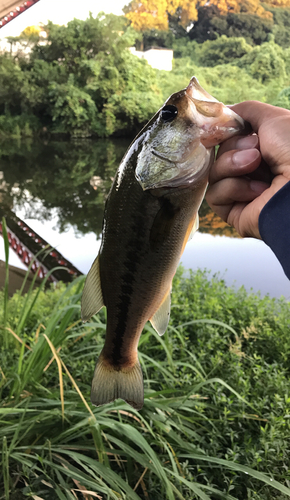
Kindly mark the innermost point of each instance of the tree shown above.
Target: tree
(26, 40)
(31, 33)
(211, 24)
(238, 6)
(148, 14)
(83, 82)
(157, 38)
(209, 19)
(72, 108)
(265, 62)
(253, 28)
(283, 98)
(222, 51)
(281, 29)
(11, 81)
(80, 40)
(278, 3)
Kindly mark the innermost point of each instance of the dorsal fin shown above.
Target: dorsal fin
(92, 298)
(160, 319)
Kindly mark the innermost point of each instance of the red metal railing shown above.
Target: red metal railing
(26, 243)
(25, 255)
(17, 11)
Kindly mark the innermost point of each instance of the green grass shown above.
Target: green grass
(215, 422)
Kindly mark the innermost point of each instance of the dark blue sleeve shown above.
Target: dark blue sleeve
(274, 226)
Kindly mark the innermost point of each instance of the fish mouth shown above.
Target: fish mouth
(196, 92)
(224, 127)
(216, 121)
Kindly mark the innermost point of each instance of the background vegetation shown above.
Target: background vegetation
(82, 81)
(215, 422)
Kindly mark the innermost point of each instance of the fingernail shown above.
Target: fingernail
(244, 157)
(249, 142)
(258, 186)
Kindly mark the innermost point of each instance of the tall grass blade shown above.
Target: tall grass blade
(241, 468)
(5, 467)
(28, 307)
(191, 486)
(209, 322)
(57, 359)
(100, 473)
(6, 284)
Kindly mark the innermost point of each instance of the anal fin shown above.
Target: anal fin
(160, 319)
(92, 298)
(110, 383)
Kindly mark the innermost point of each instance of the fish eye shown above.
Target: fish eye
(168, 113)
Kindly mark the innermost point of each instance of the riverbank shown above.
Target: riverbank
(217, 393)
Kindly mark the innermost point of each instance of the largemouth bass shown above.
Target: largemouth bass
(150, 213)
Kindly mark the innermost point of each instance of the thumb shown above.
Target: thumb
(256, 113)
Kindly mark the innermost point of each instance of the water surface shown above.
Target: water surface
(59, 189)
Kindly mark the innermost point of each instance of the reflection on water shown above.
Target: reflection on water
(72, 177)
(60, 189)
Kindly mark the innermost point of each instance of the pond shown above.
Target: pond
(59, 190)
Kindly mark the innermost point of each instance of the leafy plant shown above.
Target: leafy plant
(214, 422)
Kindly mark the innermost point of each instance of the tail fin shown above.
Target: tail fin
(110, 383)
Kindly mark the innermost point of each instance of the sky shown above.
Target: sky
(60, 12)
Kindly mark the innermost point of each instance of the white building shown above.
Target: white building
(157, 58)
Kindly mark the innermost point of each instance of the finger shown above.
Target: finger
(262, 173)
(234, 163)
(245, 226)
(239, 142)
(230, 197)
(231, 190)
(257, 112)
(244, 216)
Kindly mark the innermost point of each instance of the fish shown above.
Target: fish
(150, 213)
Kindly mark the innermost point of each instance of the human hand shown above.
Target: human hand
(249, 170)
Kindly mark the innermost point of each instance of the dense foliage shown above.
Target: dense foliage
(83, 81)
(156, 14)
(215, 420)
(252, 19)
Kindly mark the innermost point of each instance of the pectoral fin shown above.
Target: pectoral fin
(160, 319)
(192, 228)
(92, 299)
(164, 221)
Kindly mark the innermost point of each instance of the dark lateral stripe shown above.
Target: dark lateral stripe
(127, 287)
